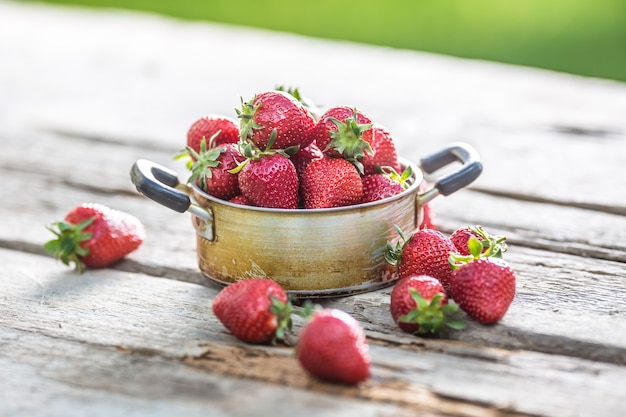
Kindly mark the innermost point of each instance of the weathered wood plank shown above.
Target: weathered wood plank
(51, 376)
(107, 334)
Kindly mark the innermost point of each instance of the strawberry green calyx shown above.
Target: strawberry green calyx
(184, 155)
(432, 317)
(251, 152)
(347, 140)
(393, 253)
(204, 161)
(405, 179)
(189, 155)
(67, 245)
(494, 245)
(284, 323)
(284, 313)
(486, 247)
(246, 114)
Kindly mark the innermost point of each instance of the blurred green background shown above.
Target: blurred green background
(585, 37)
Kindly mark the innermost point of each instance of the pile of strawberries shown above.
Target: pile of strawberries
(433, 268)
(281, 153)
(467, 266)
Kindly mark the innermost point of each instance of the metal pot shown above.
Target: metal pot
(310, 253)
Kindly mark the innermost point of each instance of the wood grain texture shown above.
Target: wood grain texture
(100, 90)
(109, 331)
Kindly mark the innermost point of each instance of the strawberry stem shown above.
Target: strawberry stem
(393, 253)
(347, 139)
(67, 245)
(246, 114)
(205, 160)
(405, 179)
(432, 317)
(487, 246)
(284, 312)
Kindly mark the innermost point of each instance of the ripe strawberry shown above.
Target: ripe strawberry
(379, 186)
(384, 184)
(270, 180)
(240, 199)
(461, 237)
(428, 218)
(332, 347)
(419, 304)
(384, 152)
(304, 156)
(215, 129)
(484, 288)
(344, 132)
(254, 310)
(211, 169)
(94, 236)
(426, 252)
(275, 111)
(330, 182)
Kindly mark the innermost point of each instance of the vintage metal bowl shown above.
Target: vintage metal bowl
(310, 253)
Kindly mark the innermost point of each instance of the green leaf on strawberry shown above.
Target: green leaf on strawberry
(67, 245)
(347, 140)
(482, 247)
(92, 235)
(246, 114)
(205, 160)
(405, 179)
(393, 253)
(283, 312)
(431, 316)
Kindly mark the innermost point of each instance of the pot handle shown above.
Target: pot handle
(161, 184)
(470, 169)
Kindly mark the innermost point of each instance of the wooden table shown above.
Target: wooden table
(84, 94)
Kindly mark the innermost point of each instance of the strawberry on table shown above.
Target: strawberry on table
(419, 305)
(275, 111)
(330, 182)
(254, 310)
(461, 237)
(426, 252)
(215, 129)
(94, 236)
(483, 285)
(332, 347)
(484, 288)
